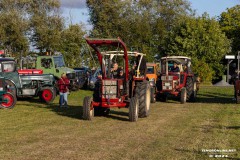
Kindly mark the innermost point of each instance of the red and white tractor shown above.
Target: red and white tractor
(130, 90)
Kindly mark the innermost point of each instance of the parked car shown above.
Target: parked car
(84, 75)
(94, 78)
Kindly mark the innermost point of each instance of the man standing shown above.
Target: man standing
(63, 84)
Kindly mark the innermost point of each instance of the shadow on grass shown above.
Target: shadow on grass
(116, 115)
(72, 111)
(207, 97)
(233, 127)
(214, 98)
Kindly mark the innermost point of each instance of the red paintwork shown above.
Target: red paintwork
(47, 95)
(175, 91)
(109, 105)
(10, 100)
(30, 71)
(94, 43)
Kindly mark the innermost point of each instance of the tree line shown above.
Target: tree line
(163, 27)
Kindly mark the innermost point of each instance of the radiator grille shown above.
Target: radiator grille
(109, 89)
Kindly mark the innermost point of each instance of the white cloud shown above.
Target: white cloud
(73, 3)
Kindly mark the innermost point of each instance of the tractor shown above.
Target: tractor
(131, 90)
(176, 79)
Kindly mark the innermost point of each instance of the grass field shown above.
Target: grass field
(172, 131)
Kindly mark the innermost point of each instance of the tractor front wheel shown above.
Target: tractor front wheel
(9, 100)
(133, 109)
(88, 110)
(47, 94)
(143, 93)
(183, 95)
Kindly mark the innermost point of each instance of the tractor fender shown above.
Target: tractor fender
(39, 89)
(14, 85)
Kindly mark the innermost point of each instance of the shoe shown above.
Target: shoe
(65, 106)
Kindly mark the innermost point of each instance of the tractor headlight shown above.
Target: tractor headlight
(121, 86)
(152, 82)
(152, 79)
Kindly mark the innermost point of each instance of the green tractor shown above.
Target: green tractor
(55, 65)
(24, 85)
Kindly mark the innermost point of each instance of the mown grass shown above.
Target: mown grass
(33, 130)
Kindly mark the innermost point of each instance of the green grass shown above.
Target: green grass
(33, 130)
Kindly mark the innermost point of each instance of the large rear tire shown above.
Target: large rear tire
(47, 94)
(10, 100)
(143, 94)
(133, 109)
(88, 110)
(183, 96)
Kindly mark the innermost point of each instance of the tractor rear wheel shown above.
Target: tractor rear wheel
(143, 94)
(10, 100)
(153, 98)
(133, 109)
(183, 96)
(88, 110)
(47, 94)
(191, 93)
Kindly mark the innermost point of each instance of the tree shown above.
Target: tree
(71, 45)
(46, 24)
(142, 24)
(14, 25)
(230, 24)
(201, 39)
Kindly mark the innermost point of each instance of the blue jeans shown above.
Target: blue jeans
(63, 98)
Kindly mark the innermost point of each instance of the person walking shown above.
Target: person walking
(63, 84)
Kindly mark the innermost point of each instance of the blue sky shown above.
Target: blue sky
(212, 7)
(75, 11)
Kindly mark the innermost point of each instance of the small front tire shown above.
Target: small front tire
(133, 109)
(183, 95)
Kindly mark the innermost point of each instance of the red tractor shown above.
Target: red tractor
(176, 79)
(130, 90)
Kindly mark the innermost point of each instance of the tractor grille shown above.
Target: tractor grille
(167, 85)
(109, 89)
